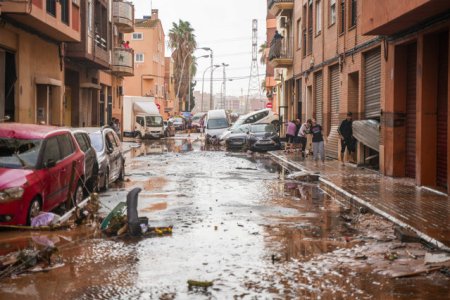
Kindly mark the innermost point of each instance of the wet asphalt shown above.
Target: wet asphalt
(238, 222)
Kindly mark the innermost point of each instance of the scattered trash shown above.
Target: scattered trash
(275, 258)
(361, 257)
(405, 235)
(304, 176)
(391, 255)
(200, 284)
(436, 258)
(44, 219)
(244, 168)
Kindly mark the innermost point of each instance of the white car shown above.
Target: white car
(265, 115)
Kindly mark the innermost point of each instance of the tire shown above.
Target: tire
(78, 194)
(33, 210)
(138, 136)
(106, 181)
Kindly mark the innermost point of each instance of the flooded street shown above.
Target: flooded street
(238, 222)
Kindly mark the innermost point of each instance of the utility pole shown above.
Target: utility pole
(224, 92)
(211, 103)
(254, 85)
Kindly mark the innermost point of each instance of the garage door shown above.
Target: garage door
(372, 75)
(335, 93)
(318, 97)
(411, 67)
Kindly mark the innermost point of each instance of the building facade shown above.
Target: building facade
(148, 42)
(417, 98)
(335, 56)
(32, 42)
(171, 106)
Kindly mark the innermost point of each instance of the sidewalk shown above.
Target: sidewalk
(398, 199)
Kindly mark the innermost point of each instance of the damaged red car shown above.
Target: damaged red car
(36, 165)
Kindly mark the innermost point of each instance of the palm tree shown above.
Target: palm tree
(182, 43)
(262, 51)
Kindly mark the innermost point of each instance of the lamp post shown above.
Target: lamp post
(223, 91)
(212, 74)
(203, 81)
(224, 65)
(189, 78)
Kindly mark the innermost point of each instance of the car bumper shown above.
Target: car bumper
(14, 212)
(265, 147)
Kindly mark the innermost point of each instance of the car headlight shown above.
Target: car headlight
(10, 194)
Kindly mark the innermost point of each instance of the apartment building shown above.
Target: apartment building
(32, 45)
(171, 106)
(95, 67)
(271, 93)
(385, 61)
(148, 42)
(417, 100)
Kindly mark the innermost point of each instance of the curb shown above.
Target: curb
(350, 197)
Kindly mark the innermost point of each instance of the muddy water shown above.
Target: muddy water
(237, 222)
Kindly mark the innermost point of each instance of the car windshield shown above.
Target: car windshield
(239, 121)
(197, 117)
(19, 153)
(154, 121)
(262, 128)
(97, 141)
(217, 123)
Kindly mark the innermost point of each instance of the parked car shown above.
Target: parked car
(263, 137)
(111, 162)
(169, 129)
(36, 165)
(90, 159)
(179, 123)
(237, 139)
(216, 123)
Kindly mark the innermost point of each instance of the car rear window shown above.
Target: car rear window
(19, 153)
(97, 141)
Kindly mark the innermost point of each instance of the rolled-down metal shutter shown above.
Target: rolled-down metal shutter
(335, 93)
(442, 115)
(318, 97)
(372, 80)
(411, 67)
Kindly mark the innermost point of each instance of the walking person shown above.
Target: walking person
(302, 135)
(347, 140)
(317, 140)
(290, 134)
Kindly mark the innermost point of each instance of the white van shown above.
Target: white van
(217, 122)
(141, 118)
(265, 116)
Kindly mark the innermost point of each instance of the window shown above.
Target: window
(138, 36)
(81, 142)
(66, 145)
(310, 27)
(332, 16)
(342, 16)
(64, 11)
(89, 16)
(299, 33)
(140, 121)
(139, 57)
(318, 16)
(51, 7)
(51, 150)
(353, 13)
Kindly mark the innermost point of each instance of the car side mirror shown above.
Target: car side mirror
(50, 163)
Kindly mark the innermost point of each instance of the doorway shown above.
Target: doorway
(8, 80)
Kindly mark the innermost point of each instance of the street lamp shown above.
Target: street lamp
(222, 90)
(224, 65)
(189, 78)
(212, 73)
(203, 80)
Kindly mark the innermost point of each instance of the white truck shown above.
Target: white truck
(141, 118)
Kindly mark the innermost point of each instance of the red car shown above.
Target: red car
(35, 170)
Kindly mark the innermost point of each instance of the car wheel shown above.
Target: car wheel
(139, 136)
(78, 195)
(33, 210)
(122, 172)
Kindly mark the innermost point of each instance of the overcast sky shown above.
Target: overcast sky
(224, 26)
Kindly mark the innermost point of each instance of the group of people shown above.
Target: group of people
(125, 45)
(297, 133)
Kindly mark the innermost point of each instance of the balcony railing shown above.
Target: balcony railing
(123, 62)
(123, 16)
(281, 53)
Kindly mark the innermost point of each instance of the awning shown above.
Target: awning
(47, 81)
(146, 108)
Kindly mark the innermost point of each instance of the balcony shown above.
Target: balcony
(58, 20)
(387, 17)
(123, 62)
(276, 6)
(123, 16)
(281, 54)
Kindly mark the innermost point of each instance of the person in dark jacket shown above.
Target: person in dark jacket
(346, 135)
(317, 140)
